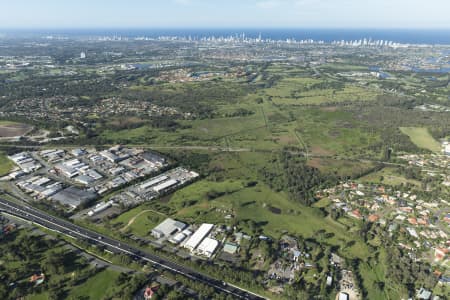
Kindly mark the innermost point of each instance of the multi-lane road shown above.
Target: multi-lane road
(39, 217)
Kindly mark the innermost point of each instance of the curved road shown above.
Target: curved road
(117, 247)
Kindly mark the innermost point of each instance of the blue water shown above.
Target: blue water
(411, 36)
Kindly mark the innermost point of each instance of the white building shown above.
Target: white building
(207, 247)
(167, 228)
(153, 182)
(447, 149)
(100, 207)
(165, 185)
(198, 236)
(343, 296)
(178, 238)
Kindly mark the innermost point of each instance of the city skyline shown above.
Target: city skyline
(24, 14)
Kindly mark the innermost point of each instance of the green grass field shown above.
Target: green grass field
(303, 91)
(275, 123)
(388, 176)
(6, 123)
(343, 67)
(422, 138)
(95, 287)
(139, 220)
(271, 211)
(5, 164)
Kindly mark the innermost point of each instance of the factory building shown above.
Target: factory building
(165, 185)
(198, 236)
(167, 228)
(207, 247)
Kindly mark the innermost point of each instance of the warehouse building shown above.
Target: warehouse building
(178, 238)
(110, 156)
(153, 182)
(153, 158)
(207, 247)
(230, 248)
(73, 197)
(167, 228)
(165, 185)
(78, 152)
(198, 236)
(100, 207)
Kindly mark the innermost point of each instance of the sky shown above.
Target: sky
(225, 14)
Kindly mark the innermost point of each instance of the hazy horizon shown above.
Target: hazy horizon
(362, 28)
(406, 36)
(326, 14)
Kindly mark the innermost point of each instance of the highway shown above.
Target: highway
(39, 217)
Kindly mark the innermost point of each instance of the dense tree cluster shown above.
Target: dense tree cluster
(405, 270)
(301, 179)
(289, 171)
(199, 98)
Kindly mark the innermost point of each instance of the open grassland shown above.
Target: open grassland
(341, 167)
(343, 67)
(270, 211)
(290, 92)
(319, 131)
(5, 164)
(332, 132)
(389, 176)
(138, 221)
(222, 127)
(422, 138)
(95, 287)
(271, 121)
(134, 135)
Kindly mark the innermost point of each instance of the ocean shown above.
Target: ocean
(405, 36)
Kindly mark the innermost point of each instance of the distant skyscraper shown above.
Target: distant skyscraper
(83, 55)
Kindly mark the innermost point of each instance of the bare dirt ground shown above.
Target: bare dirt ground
(14, 129)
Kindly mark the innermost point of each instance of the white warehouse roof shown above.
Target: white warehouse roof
(167, 228)
(198, 236)
(343, 296)
(165, 185)
(153, 182)
(178, 238)
(208, 246)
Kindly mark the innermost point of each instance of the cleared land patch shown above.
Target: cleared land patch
(12, 129)
(422, 138)
(139, 220)
(388, 176)
(307, 91)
